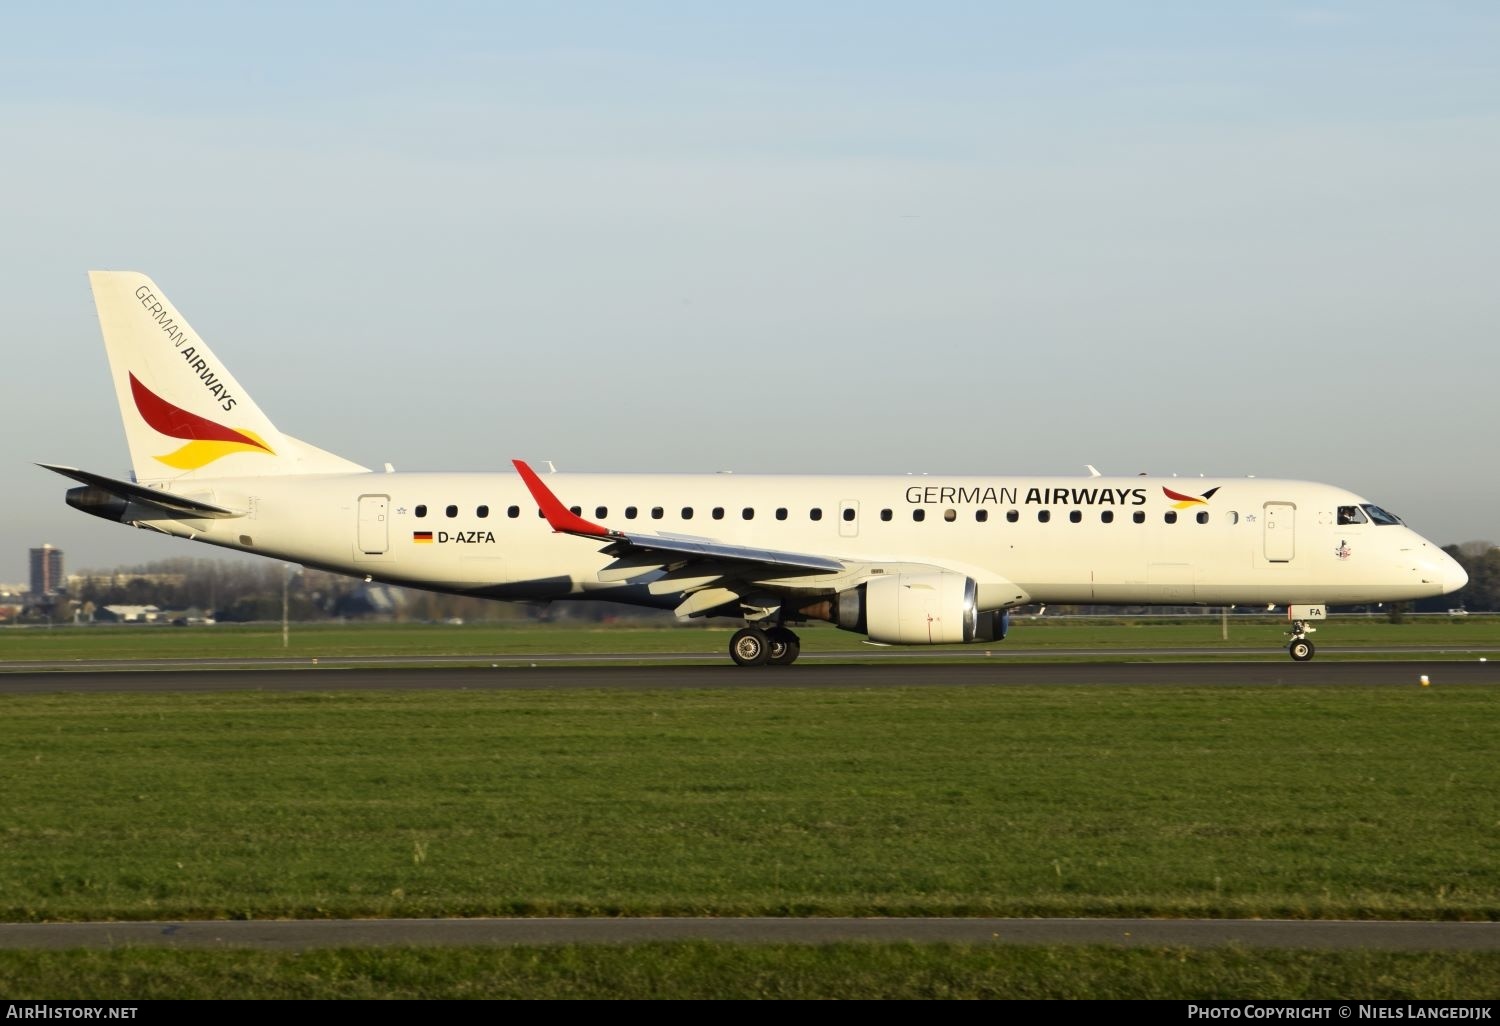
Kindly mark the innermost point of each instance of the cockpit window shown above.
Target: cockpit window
(1351, 515)
(1380, 516)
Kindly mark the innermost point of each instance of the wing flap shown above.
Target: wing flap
(633, 566)
(700, 602)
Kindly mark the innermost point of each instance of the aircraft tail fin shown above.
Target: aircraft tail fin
(185, 415)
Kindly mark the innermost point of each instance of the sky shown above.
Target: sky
(969, 238)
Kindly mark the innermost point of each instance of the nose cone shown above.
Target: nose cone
(1453, 576)
(1438, 570)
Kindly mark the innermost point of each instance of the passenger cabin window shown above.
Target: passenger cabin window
(420, 511)
(1234, 517)
(482, 512)
(1351, 515)
(1107, 516)
(687, 512)
(815, 514)
(1170, 516)
(1203, 516)
(577, 511)
(1043, 515)
(1138, 516)
(981, 515)
(886, 514)
(600, 512)
(949, 515)
(919, 515)
(630, 512)
(748, 513)
(1012, 515)
(1076, 516)
(848, 515)
(780, 512)
(513, 511)
(657, 512)
(718, 512)
(451, 511)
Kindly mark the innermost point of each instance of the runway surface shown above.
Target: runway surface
(552, 677)
(326, 933)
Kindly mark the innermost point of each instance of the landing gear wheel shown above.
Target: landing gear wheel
(750, 647)
(785, 646)
(1300, 648)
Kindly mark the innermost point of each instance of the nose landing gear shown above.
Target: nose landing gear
(1300, 649)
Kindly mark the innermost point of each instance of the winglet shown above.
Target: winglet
(561, 519)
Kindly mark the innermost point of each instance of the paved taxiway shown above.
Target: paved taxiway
(552, 677)
(325, 933)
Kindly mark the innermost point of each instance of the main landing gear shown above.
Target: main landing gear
(776, 646)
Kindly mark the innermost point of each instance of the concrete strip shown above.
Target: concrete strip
(634, 678)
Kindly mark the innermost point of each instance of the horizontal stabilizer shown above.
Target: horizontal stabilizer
(172, 505)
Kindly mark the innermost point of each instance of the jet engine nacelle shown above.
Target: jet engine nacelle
(920, 609)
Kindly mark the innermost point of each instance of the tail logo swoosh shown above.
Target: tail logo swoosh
(206, 440)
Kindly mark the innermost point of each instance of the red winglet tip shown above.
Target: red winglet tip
(561, 519)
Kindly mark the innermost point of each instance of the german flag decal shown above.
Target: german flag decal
(422, 537)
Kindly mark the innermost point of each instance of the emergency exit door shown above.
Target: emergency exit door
(1280, 531)
(849, 518)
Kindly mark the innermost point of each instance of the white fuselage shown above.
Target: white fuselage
(902, 560)
(1061, 540)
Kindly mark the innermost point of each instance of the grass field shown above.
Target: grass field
(331, 641)
(1298, 802)
(927, 801)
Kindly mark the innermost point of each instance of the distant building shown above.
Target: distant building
(46, 571)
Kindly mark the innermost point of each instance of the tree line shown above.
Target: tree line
(1482, 594)
(235, 591)
(238, 592)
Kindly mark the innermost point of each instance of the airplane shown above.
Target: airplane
(903, 560)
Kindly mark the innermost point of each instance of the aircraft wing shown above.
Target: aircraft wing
(166, 502)
(673, 548)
